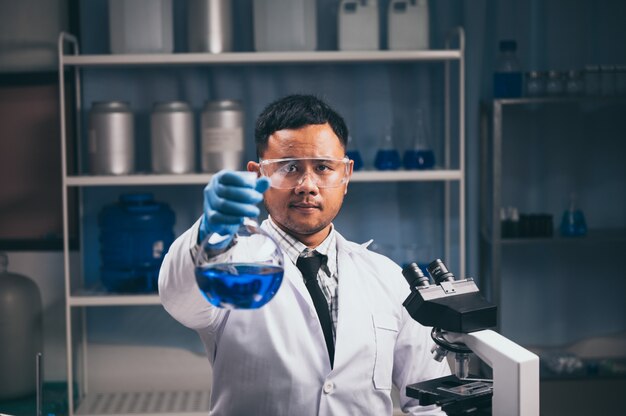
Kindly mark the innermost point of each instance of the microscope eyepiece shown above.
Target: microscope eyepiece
(439, 272)
(414, 276)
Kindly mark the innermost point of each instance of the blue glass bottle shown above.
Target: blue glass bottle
(507, 78)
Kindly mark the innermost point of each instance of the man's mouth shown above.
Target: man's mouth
(305, 205)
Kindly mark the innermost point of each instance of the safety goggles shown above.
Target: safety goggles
(290, 172)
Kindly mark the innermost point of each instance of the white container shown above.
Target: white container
(222, 136)
(285, 25)
(141, 26)
(358, 25)
(172, 144)
(408, 26)
(210, 27)
(29, 32)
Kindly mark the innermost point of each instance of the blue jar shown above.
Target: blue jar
(135, 234)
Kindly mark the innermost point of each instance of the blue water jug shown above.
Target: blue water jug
(135, 234)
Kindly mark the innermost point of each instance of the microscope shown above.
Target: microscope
(460, 317)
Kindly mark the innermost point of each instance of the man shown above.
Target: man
(293, 356)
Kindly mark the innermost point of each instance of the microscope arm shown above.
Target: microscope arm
(515, 371)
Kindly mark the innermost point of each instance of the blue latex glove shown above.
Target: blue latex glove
(228, 198)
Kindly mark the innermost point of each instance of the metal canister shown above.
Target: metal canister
(172, 138)
(222, 135)
(210, 26)
(111, 141)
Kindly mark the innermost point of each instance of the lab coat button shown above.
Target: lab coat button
(329, 386)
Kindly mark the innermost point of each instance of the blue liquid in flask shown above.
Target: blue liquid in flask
(387, 159)
(239, 285)
(419, 159)
(355, 155)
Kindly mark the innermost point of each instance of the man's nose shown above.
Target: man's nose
(307, 184)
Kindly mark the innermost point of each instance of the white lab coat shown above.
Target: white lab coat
(273, 360)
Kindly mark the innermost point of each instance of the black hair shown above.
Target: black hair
(293, 112)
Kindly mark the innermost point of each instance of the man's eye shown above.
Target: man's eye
(288, 168)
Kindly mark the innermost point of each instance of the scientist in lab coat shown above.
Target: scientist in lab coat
(281, 359)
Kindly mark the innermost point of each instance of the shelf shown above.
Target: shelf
(259, 58)
(103, 298)
(204, 178)
(617, 235)
(559, 100)
(187, 403)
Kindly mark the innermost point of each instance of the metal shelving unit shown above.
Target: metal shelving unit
(77, 300)
(494, 183)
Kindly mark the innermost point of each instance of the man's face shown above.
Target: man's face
(305, 211)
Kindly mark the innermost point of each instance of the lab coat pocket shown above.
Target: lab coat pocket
(386, 331)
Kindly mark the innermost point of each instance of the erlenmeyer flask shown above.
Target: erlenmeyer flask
(352, 151)
(387, 156)
(420, 155)
(573, 222)
(242, 270)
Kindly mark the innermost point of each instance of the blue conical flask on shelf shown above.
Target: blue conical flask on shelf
(419, 156)
(387, 156)
(573, 222)
(353, 153)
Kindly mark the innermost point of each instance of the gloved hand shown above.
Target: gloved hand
(228, 198)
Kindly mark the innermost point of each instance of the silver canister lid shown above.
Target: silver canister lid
(110, 106)
(171, 107)
(221, 105)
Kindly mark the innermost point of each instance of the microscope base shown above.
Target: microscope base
(454, 395)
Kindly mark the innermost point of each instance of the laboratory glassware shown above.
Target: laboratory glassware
(353, 153)
(574, 84)
(241, 270)
(535, 84)
(573, 223)
(420, 155)
(554, 84)
(387, 156)
(507, 78)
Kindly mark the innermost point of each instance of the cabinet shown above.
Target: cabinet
(554, 291)
(82, 296)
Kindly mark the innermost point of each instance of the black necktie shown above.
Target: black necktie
(309, 267)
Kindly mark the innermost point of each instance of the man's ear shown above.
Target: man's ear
(254, 167)
(350, 169)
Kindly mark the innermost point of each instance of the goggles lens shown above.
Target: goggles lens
(289, 173)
